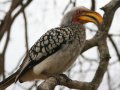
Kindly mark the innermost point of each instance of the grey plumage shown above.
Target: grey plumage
(51, 42)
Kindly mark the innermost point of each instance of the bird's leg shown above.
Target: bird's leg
(58, 76)
(65, 77)
(20, 81)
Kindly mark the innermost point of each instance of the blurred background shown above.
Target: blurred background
(26, 20)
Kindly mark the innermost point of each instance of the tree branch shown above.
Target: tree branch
(114, 46)
(93, 6)
(9, 19)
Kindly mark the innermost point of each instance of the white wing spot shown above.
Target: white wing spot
(39, 56)
(38, 44)
(33, 56)
(45, 38)
(53, 45)
(46, 42)
(37, 49)
(43, 50)
(56, 40)
(42, 43)
(61, 40)
(49, 46)
(60, 36)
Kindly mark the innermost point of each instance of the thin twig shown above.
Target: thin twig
(93, 5)
(26, 31)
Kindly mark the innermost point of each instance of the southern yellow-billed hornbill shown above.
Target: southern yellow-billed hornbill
(57, 49)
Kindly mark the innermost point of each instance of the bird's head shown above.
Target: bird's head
(81, 15)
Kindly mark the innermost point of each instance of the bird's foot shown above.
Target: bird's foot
(20, 81)
(65, 77)
(60, 77)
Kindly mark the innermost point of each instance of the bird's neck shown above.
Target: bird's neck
(79, 32)
(72, 24)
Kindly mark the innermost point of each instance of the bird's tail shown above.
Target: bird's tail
(8, 81)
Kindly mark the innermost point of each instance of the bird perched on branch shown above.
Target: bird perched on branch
(57, 49)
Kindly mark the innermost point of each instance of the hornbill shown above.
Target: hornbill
(57, 49)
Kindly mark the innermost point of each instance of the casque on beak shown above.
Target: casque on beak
(91, 16)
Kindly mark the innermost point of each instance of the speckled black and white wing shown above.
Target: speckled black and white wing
(48, 44)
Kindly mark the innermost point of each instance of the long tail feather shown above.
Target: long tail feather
(8, 81)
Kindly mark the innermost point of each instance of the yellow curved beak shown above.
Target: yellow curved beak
(91, 16)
